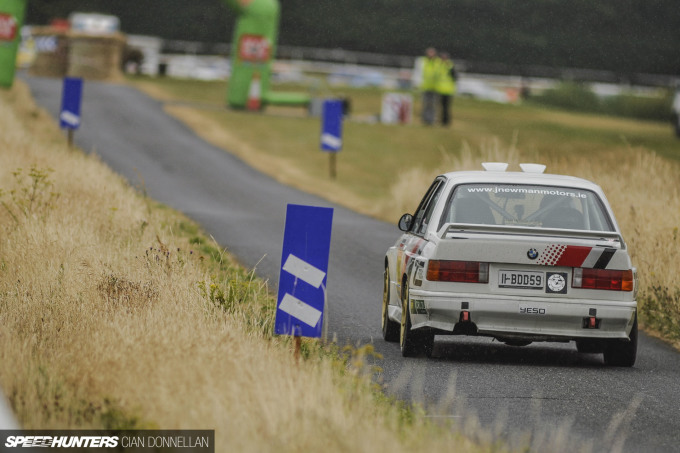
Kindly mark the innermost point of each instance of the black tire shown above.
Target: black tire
(590, 346)
(390, 329)
(413, 343)
(622, 352)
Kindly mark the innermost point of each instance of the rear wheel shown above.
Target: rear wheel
(622, 352)
(390, 329)
(413, 343)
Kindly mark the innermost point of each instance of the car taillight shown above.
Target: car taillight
(602, 279)
(457, 271)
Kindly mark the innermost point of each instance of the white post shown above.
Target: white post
(7, 420)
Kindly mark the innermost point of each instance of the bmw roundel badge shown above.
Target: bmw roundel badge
(532, 254)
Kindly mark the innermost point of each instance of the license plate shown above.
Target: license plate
(521, 279)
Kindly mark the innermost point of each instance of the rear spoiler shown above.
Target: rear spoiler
(450, 228)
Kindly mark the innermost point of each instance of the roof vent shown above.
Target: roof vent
(532, 168)
(494, 166)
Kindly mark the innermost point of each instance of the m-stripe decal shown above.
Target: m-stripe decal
(605, 258)
(592, 257)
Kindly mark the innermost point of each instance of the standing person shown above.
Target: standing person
(428, 85)
(446, 87)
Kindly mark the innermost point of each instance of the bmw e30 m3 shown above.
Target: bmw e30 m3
(518, 256)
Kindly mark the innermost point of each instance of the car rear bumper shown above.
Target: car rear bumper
(535, 318)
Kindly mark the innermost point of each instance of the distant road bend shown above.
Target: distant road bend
(545, 390)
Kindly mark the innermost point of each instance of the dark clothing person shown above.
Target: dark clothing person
(428, 85)
(446, 87)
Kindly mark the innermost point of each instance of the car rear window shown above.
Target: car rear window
(527, 205)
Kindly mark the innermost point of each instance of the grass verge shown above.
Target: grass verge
(116, 312)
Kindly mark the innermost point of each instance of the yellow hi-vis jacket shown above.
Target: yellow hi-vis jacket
(430, 74)
(446, 85)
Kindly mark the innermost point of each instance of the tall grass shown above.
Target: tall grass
(113, 315)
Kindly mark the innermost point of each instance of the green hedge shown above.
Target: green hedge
(579, 97)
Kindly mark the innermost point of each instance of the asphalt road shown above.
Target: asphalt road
(545, 394)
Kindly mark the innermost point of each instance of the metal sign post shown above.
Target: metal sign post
(331, 132)
(71, 100)
(304, 268)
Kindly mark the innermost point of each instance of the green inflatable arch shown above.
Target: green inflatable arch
(11, 19)
(253, 50)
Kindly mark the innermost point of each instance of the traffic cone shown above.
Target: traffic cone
(254, 93)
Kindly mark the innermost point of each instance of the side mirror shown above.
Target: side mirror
(405, 222)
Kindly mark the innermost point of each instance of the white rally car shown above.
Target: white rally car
(518, 256)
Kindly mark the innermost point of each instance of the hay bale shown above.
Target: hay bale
(95, 57)
(51, 58)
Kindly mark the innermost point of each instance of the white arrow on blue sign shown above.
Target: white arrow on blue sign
(304, 269)
(69, 116)
(331, 125)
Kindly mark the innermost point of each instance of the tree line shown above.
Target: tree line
(626, 36)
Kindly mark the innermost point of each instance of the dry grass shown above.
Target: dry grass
(109, 319)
